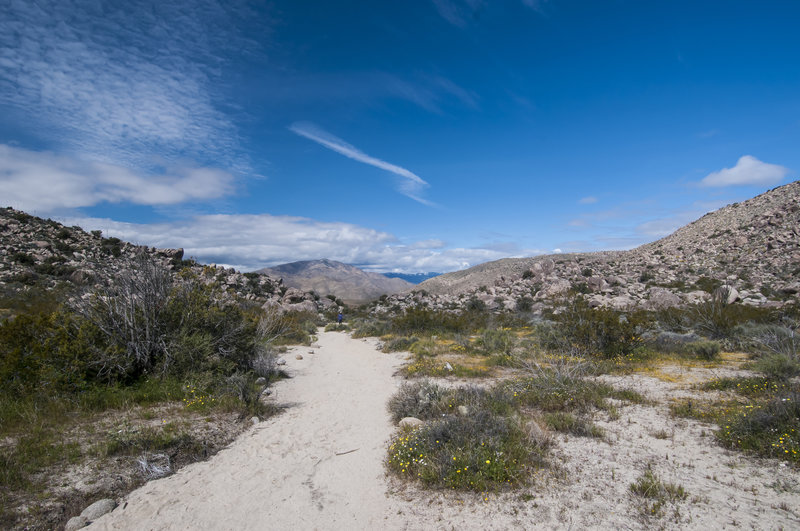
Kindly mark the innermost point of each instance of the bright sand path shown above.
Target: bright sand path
(291, 471)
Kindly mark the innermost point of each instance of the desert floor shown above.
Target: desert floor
(320, 465)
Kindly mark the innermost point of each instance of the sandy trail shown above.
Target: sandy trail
(320, 465)
(297, 470)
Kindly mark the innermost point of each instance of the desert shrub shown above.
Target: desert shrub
(422, 320)
(769, 338)
(770, 429)
(524, 304)
(709, 285)
(778, 366)
(562, 387)
(369, 328)
(672, 342)
(473, 440)
(421, 399)
(23, 258)
(706, 350)
(596, 331)
(719, 320)
(566, 422)
(496, 341)
(477, 452)
(654, 494)
(400, 344)
(337, 327)
(527, 274)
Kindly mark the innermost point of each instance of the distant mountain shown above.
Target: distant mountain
(328, 277)
(414, 278)
(750, 251)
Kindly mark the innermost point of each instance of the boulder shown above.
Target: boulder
(410, 422)
(660, 298)
(726, 294)
(76, 522)
(98, 509)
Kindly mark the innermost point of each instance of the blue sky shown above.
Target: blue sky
(424, 135)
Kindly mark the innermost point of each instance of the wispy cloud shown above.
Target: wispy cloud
(249, 242)
(589, 200)
(44, 182)
(748, 171)
(461, 12)
(122, 85)
(411, 185)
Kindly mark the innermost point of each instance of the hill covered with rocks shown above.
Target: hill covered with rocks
(43, 255)
(748, 252)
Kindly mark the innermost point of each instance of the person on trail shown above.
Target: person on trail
(339, 318)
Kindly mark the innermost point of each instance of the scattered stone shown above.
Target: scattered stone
(298, 357)
(410, 422)
(261, 381)
(448, 367)
(76, 522)
(463, 411)
(98, 509)
(255, 420)
(280, 362)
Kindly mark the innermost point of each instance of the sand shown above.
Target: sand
(320, 465)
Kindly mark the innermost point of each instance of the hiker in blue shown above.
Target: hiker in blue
(339, 318)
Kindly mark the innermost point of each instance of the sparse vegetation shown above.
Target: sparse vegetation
(654, 495)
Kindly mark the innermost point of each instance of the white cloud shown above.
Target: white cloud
(43, 182)
(748, 171)
(589, 200)
(122, 84)
(249, 242)
(411, 185)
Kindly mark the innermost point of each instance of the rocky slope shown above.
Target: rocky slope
(328, 277)
(749, 250)
(44, 254)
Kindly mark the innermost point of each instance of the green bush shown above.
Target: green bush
(770, 429)
(706, 350)
(599, 332)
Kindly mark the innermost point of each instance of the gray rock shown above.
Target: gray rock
(660, 298)
(410, 422)
(255, 420)
(98, 509)
(463, 411)
(76, 522)
(298, 357)
(261, 381)
(448, 367)
(726, 294)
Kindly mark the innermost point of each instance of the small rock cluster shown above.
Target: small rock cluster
(90, 514)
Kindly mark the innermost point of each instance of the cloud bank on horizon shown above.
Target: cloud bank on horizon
(166, 124)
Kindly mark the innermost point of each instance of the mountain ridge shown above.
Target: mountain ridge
(329, 277)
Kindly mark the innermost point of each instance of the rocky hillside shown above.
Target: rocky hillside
(749, 250)
(328, 277)
(44, 254)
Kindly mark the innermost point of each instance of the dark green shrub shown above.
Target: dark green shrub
(597, 331)
(706, 350)
(400, 344)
